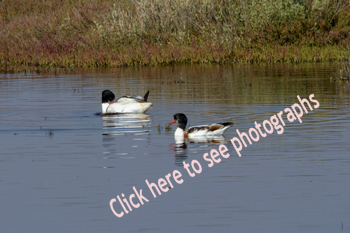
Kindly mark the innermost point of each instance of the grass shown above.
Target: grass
(36, 35)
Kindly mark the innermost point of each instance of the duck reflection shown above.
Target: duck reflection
(120, 124)
(219, 139)
(116, 125)
(180, 147)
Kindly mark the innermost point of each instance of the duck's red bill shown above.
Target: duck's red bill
(173, 122)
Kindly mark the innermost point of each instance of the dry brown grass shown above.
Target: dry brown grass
(38, 34)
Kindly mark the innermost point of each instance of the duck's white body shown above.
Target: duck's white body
(126, 107)
(125, 104)
(216, 129)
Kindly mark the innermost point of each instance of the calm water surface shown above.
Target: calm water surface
(60, 164)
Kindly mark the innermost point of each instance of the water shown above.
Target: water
(61, 164)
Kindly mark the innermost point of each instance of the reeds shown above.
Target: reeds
(37, 35)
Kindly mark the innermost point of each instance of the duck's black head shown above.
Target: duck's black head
(107, 96)
(181, 119)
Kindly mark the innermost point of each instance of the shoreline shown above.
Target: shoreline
(166, 56)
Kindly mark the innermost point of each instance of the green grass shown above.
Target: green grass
(37, 35)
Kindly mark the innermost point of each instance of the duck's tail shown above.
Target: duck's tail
(146, 96)
(220, 128)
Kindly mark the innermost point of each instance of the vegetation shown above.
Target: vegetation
(41, 34)
(344, 72)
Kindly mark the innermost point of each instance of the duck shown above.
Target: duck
(216, 129)
(125, 104)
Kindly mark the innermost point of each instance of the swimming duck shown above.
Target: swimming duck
(199, 130)
(125, 104)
